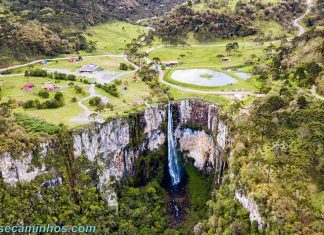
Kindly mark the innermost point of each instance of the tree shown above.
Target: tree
(156, 60)
(43, 94)
(123, 66)
(275, 103)
(232, 47)
(265, 126)
(94, 116)
(302, 102)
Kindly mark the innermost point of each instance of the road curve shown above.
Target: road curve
(301, 29)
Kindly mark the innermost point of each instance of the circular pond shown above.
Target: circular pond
(203, 77)
(244, 76)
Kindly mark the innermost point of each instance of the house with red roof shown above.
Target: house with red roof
(28, 86)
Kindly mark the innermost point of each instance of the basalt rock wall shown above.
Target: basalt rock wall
(113, 146)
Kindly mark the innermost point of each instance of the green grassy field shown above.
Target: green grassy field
(181, 95)
(207, 56)
(136, 92)
(107, 63)
(11, 89)
(112, 37)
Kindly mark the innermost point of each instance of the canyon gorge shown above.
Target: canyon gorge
(200, 132)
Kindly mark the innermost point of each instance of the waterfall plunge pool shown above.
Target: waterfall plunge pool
(186, 186)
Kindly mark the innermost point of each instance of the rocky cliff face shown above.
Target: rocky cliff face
(21, 168)
(202, 135)
(115, 145)
(252, 207)
(110, 145)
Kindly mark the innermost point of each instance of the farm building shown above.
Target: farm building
(75, 59)
(28, 86)
(135, 79)
(90, 68)
(50, 87)
(170, 63)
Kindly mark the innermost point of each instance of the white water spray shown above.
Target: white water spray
(173, 162)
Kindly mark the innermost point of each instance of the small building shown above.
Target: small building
(28, 86)
(170, 63)
(134, 78)
(75, 59)
(50, 87)
(225, 59)
(90, 68)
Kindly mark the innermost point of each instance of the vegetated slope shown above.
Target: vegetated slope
(307, 48)
(277, 161)
(32, 28)
(310, 46)
(223, 22)
(88, 12)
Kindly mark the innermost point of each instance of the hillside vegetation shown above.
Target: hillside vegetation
(217, 21)
(30, 29)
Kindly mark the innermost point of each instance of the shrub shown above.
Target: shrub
(29, 104)
(59, 76)
(74, 99)
(123, 66)
(44, 94)
(36, 73)
(95, 101)
(51, 104)
(110, 106)
(302, 102)
(36, 125)
(71, 77)
(78, 89)
(131, 67)
(111, 89)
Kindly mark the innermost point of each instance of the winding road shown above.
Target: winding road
(301, 29)
(231, 94)
(60, 58)
(84, 117)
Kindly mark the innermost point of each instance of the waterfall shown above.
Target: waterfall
(173, 162)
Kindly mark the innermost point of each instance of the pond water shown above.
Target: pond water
(203, 77)
(242, 75)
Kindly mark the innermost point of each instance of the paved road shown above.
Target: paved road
(84, 117)
(301, 29)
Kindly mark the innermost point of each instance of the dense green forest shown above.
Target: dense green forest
(278, 151)
(217, 21)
